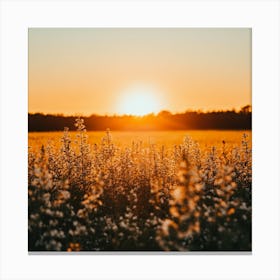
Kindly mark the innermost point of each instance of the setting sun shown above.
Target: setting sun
(139, 101)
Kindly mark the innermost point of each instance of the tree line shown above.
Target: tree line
(222, 120)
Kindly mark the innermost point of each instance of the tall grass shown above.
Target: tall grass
(96, 197)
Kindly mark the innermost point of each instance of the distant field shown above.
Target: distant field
(169, 138)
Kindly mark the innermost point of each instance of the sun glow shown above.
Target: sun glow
(139, 101)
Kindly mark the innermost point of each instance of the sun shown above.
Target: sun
(139, 101)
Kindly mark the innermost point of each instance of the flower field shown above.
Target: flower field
(112, 191)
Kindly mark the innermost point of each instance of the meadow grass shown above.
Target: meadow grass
(139, 191)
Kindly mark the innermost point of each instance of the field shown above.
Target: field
(139, 191)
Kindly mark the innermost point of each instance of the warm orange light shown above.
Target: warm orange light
(139, 101)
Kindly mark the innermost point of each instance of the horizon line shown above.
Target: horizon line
(145, 115)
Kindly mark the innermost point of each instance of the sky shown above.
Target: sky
(125, 70)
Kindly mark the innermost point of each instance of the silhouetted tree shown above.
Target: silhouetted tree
(164, 120)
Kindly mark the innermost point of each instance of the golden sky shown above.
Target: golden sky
(108, 70)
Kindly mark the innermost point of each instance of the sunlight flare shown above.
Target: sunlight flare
(139, 101)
